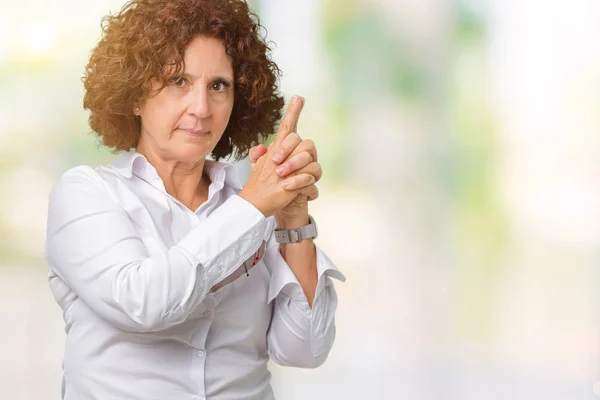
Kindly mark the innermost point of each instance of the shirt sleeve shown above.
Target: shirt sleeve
(298, 335)
(95, 249)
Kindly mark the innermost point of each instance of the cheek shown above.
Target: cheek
(223, 114)
(161, 117)
(168, 110)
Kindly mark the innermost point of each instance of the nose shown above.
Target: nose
(199, 104)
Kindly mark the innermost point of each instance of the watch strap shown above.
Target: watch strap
(296, 235)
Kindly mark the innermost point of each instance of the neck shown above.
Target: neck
(184, 181)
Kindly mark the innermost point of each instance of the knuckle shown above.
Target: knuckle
(304, 180)
(294, 152)
(318, 171)
(284, 126)
(287, 166)
(295, 139)
(289, 141)
(291, 138)
(280, 153)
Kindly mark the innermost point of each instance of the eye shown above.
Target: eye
(179, 82)
(220, 86)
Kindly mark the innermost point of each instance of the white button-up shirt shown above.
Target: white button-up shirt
(148, 294)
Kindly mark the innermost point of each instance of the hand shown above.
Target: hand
(302, 170)
(264, 187)
(300, 166)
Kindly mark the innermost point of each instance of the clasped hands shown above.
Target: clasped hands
(283, 176)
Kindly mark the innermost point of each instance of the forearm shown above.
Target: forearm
(301, 258)
(96, 251)
(301, 335)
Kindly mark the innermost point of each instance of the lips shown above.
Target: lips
(196, 132)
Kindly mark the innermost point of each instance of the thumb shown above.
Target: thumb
(256, 152)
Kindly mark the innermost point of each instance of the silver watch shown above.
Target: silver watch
(295, 235)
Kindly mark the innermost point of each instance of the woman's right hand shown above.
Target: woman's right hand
(263, 188)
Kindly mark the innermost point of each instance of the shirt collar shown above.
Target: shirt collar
(131, 163)
(222, 172)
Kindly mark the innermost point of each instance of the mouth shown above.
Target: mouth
(196, 133)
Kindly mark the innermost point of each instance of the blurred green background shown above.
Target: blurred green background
(461, 197)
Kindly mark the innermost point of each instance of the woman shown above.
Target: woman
(176, 282)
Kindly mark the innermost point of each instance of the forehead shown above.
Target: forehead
(206, 56)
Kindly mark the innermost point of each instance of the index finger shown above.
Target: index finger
(290, 119)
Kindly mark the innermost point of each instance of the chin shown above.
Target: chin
(190, 153)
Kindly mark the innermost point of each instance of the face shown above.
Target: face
(186, 119)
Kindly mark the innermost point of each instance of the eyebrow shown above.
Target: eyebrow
(226, 78)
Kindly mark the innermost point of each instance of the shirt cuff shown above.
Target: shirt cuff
(232, 233)
(284, 280)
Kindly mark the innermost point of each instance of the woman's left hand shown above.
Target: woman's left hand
(298, 164)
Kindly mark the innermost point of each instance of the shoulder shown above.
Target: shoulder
(78, 185)
(82, 176)
(80, 192)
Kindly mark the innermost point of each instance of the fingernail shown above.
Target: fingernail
(294, 99)
(285, 184)
(280, 170)
(276, 157)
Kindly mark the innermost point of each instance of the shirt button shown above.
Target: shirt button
(201, 353)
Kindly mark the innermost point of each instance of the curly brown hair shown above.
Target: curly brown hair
(147, 39)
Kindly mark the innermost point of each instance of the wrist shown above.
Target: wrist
(255, 201)
(291, 222)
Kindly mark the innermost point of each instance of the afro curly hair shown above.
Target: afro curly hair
(146, 40)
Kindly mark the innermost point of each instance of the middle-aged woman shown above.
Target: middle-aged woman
(175, 281)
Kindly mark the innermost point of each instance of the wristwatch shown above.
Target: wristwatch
(295, 235)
